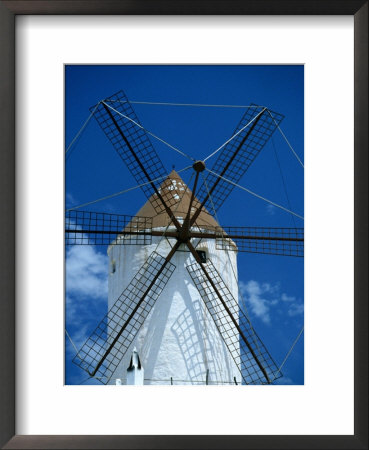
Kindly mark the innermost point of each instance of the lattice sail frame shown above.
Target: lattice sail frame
(241, 354)
(265, 240)
(262, 126)
(133, 145)
(95, 228)
(110, 328)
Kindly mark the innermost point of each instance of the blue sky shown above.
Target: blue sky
(272, 286)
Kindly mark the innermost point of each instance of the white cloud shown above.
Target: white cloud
(260, 298)
(272, 289)
(253, 295)
(70, 308)
(295, 309)
(86, 296)
(286, 298)
(86, 272)
(271, 209)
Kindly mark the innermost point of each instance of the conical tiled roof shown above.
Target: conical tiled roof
(178, 196)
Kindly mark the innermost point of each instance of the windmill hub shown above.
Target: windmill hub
(199, 166)
(184, 235)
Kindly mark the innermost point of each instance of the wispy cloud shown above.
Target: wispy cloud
(261, 298)
(253, 293)
(271, 209)
(286, 298)
(86, 290)
(86, 296)
(86, 271)
(296, 309)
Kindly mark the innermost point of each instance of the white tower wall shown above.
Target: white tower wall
(179, 339)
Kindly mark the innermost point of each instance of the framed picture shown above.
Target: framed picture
(259, 269)
(172, 65)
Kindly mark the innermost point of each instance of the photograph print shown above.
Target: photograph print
(184, 225)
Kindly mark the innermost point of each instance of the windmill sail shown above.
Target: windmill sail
(248, 351)
(119, 122)
(238, 154)
(88, 227)
(102, 352)
(271, 241)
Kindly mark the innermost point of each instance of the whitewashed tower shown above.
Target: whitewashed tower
(179, 341)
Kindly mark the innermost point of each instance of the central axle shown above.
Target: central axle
(199, 166)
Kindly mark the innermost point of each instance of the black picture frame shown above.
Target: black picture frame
(8, 12)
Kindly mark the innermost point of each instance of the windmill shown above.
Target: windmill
(177, 220)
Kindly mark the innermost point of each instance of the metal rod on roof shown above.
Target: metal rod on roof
(195, 216)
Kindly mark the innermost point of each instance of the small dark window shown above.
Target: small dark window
(202, 255)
